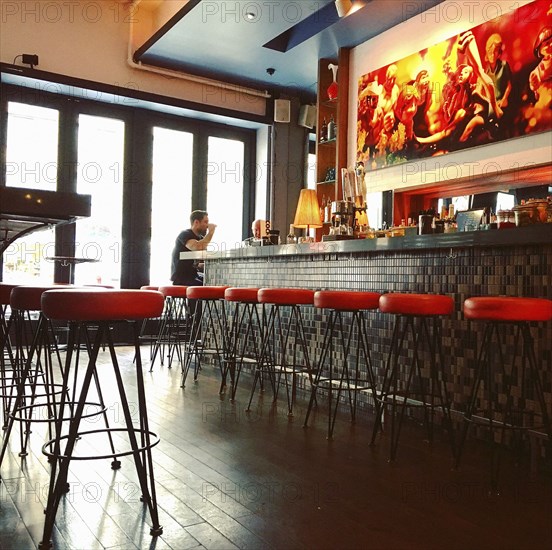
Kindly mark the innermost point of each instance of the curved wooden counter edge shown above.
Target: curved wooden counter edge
(533, 234)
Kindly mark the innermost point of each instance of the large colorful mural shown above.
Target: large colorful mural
(490, 83)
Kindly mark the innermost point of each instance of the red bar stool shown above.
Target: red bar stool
(174, 324)
(284, 328)
(419, 315)
(102, 309)
(206, 305)
(6, 351)
(514, 412)
(244, 333)
(346, 324)
(34, 386)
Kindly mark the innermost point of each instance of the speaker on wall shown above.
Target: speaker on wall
(307, 116)
(282, 110)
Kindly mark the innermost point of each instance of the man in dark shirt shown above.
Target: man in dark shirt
(198, 237)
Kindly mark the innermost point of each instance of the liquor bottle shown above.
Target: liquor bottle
(291, 238)
(323, 209)
(324, 131)
(331, 129)
(328, 211)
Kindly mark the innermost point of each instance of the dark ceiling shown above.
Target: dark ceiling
(217, 39)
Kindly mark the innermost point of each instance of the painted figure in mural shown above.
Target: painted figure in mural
(500, 73)
(405, 109)
(540, 79)
(389, 95)
(449, 88)
(464, 110)
(370, 120)
(471, 109)
(498, 70)
(401, 139)
(422, 123)
(469, 54)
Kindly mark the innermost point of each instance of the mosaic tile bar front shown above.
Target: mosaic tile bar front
(460, 272)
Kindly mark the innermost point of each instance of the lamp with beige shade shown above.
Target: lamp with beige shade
(307, 215)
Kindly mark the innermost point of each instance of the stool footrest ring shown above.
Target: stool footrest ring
(480, 420)
(153, 442)
(387, 400)
(100, 410)
(59, 389)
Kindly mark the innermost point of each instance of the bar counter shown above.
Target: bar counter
(533, 234)
(504, 262)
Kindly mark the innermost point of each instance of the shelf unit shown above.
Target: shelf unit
(332, 154)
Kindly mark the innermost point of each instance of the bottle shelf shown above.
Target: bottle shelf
(327, 141)
(326, 182)
(332, 103)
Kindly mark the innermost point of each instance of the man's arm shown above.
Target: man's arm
(202, 244)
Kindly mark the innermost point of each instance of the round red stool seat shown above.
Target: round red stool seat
(5, 291)
(286, 296)
(149, 287)
(235, 294)
(499, 308)
(27, 298)
(346, 300)
(104, 305)
(175, 291)
(416, 304)
(206, 292)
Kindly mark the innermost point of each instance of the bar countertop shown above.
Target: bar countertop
(533, 234)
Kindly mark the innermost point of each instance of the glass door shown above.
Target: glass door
(100, 174)
(171, 197)
(225, 190)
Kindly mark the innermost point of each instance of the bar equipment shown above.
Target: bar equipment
(344, 212)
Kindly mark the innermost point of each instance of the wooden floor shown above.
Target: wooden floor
(227, 479)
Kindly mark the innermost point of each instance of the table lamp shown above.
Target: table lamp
(307, 215)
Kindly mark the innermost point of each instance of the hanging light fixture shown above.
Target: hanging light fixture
(343, 7)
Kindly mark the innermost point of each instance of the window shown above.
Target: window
(32, 147)
(171, 197)
(225, 190)
(175, 164)
(374, 210)
(100, 174)
(504, 201)
(31, 161)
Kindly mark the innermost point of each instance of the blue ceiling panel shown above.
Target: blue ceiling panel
(219, 41)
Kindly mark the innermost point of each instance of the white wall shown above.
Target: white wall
(89, 40)
(426, 29)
